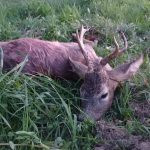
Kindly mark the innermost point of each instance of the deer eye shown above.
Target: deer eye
(104, 96)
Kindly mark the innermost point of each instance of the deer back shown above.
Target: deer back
(48, 58)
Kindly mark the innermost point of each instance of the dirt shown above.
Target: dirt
(113, 137)
(142, 111)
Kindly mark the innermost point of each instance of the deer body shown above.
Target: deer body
(65, 60)
(48, 58)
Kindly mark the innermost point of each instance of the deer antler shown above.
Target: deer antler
(80, 39)
(117, 51)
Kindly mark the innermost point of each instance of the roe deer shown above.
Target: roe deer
(65, 60)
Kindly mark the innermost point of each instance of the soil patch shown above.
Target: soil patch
(142, 111)
(117, 138)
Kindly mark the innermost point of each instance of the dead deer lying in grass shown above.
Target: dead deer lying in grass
(60, 59)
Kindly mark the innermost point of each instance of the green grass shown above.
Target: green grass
(38, 112)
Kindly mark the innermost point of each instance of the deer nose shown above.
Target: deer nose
(80, 117)
(83, 117)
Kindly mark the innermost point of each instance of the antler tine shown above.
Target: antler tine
(124, 40)
(116, 44)
(80, 39)
(117, 50)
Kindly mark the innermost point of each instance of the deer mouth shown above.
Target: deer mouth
(90, 115)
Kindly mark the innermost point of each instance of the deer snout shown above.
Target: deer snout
(83, 117)
(89, 115)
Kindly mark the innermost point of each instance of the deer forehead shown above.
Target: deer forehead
(96, 78)
(95, 83)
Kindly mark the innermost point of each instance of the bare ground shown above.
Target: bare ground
(117, 138)
(142, 111)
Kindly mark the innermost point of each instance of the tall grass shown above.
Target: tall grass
(38, 112)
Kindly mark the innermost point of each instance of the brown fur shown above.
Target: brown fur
(48, 58)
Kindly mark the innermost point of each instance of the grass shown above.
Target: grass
(40, 113)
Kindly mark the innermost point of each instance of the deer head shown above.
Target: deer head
(99, 84)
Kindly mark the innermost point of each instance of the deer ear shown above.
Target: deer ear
(127, 70)
(78, 67)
